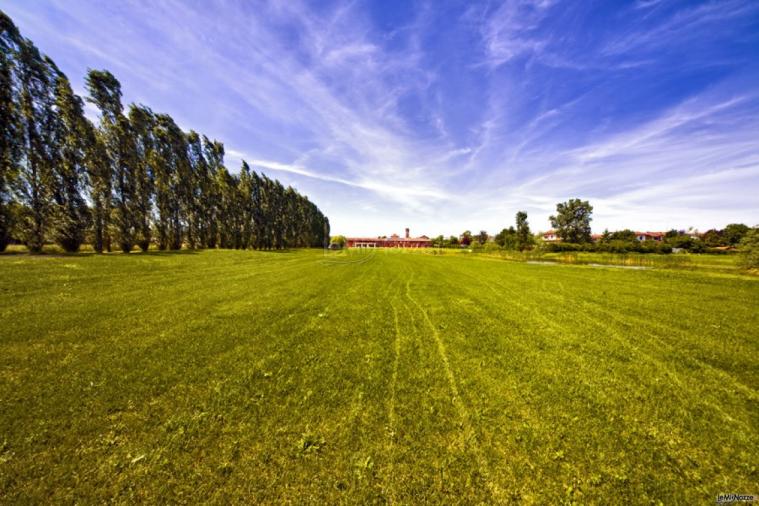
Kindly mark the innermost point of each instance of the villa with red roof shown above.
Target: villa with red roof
(649, 236)
(553, 236)
(394, 241)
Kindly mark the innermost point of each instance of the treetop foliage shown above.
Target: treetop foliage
(749, 248)
(134, 179)
(572, 221)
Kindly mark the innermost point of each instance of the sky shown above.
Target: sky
(444, 116)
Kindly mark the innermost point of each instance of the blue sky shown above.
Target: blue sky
(445, 116)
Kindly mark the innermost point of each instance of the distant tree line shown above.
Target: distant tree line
(519, 238)
(134, 179)
(571, 224)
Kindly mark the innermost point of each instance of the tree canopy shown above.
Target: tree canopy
(133, 179)
(572, 220)
(523, 235)
(749, 248)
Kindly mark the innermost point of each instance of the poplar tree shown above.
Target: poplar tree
(182, 187)
(99, 175)
(225, 187)
(171, 166)
(266, 212)
(9, 146)
(257, 211)
(160, 160)
(185, 188)
(36, 125)
(54, 162)
(70, 213)
(214, 156)
(105, 93)
(10, 132)
(247, 206)
(164, 164)
(198, 218)
(523, 231)
(142, 123)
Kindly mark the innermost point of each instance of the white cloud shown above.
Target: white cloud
(320, 96)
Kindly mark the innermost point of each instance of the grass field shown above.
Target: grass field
(373, 377)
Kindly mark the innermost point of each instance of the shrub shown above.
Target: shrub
(749, 249)
(491, 247)
(338, 240)
(612, 246)
(558, 247)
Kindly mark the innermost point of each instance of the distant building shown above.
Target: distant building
(649, 236)
(552, 236)
(394, 241)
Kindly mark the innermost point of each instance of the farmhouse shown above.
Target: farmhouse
(649, 236)
(553, 236)
(394, 241)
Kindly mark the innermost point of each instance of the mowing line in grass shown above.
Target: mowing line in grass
(391, 406)
(470, 437)
(569, 315)
(251, 377)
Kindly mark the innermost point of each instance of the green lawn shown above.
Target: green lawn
(373, 377)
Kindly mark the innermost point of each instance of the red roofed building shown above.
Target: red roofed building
(649, 236)
(394, 241)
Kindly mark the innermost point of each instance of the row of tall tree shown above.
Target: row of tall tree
(519, 238)
(133, 179)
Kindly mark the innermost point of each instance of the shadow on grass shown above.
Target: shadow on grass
(165, 252)
(278, 251)
(53, 252)
(64, 254)
(46, 254)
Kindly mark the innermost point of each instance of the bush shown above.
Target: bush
(558, 247)
(687, 243)
(616, 246)
(717, 251)
(338, 241)
(491, 247)
(749, 249)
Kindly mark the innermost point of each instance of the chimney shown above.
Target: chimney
(406, 232)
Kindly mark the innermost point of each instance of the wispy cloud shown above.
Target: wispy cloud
(448, 117)
(699, 22)
(511, 30)
(393, 192)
